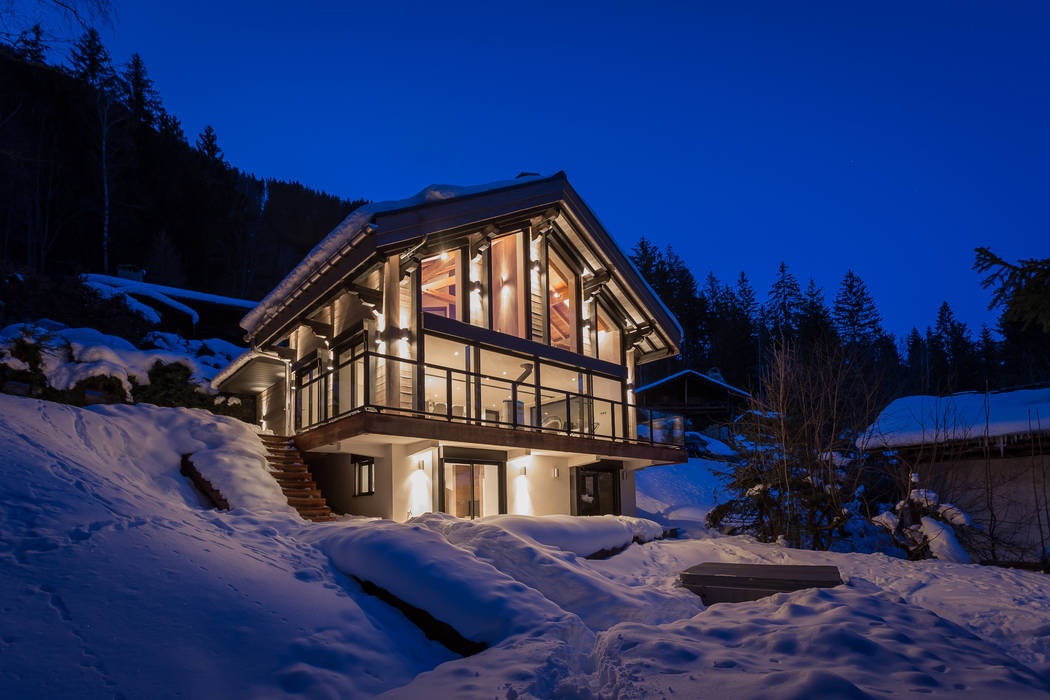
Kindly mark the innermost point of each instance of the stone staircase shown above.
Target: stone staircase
(291, 473)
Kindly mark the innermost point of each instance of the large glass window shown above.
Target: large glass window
(608, 337)
(438, 275)
(508, 296)
(437, 382)
(508, 393)
(561, 289)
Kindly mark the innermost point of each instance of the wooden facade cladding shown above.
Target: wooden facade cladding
(371, 423)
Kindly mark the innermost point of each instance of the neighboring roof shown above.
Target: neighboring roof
(412, 219)
(922, 420)
(698, 375)
(250, 373)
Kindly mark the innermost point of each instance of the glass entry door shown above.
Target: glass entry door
(597, 492)
(471, 489)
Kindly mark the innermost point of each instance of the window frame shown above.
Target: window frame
(358, 463)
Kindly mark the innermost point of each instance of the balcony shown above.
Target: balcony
(373, 382)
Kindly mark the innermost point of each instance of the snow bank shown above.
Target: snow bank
(679, 495)
(423, 569)
(336, 242)
(580, 535)
(916, 420)
(70, 355)
(557, 573)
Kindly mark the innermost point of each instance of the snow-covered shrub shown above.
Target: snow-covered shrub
(928, 529)
(82, 366)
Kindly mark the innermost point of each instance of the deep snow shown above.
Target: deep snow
(115, 581)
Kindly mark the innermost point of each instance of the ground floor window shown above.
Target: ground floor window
(364, 476)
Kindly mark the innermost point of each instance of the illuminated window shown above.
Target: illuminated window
(438, 278)
(608, 337)
(561, 284)
(508, 297)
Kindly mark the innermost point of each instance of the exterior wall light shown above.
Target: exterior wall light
(523, 471)
(556, 473)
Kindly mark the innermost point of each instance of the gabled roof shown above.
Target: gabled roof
(394, 225)
(692, 373)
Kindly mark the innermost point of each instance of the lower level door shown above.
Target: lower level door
(596, 492)
(471, 490)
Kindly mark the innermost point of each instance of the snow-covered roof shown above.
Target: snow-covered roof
(364, 220)
(699, 375)
(920, 420)
(342, 238)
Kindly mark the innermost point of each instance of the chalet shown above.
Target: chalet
(469, 350)
(986, 453)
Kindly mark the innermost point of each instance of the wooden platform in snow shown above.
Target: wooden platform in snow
(717, 582)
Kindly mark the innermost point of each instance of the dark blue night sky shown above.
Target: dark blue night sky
(888, 138)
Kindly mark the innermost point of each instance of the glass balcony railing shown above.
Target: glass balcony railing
(369, 381)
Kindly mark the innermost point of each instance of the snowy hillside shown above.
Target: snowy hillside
(70, 355)
(115, 581)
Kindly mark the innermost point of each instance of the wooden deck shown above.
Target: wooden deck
(366, 423)
(717, 582)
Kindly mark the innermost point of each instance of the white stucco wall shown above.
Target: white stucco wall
(538, 492)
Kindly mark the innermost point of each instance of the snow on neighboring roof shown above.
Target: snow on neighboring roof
(701, 375)
(159, 292)
(918, 420)
(343, 236)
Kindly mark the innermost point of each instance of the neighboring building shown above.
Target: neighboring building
(987, 454)
(469, 350)
(704, 399)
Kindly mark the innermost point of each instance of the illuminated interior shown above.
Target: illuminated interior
(562, 293)
(471, 490)
(438, 279)
(608, 337)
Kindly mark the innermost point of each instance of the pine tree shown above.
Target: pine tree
(745, 294)
(89, 61)
(856, 319)
(30, 45)
(784, 304)
(208, 145)
(988, 354)
(815, 326)
(953, 337)
(139, 94)
(169, 125)
(646, 257)
(918, 358)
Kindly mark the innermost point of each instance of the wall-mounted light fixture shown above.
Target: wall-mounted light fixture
(536, 265)
(523, 471)
(556, 473)
(475, 286)
(420, 465)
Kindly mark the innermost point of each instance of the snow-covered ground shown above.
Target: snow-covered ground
(115, 581)
(70, 355)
